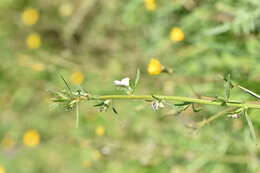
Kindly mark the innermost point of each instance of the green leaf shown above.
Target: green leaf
(249, 91)
(250, 124)
(60, 100)
(234, 84)
(66, 85)
(182, 104)
(77, 115)
(183, 108)
(156, 98)
(228, 87)
(114, 110)
(194, 109)
(99, 104)
(137, 78)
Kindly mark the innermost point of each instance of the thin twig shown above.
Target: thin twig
(212, 118)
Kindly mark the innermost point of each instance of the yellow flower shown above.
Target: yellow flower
(66, 9)
(150, 5)
(2, 169)
(154, 67)
(87, 164)
(84, 143)
(100, 131)
(38, 66)
(33, 41)
(30, 16)
(77, 78)
(96, 155)
(7, 142)
(31, 138)
(177, 34)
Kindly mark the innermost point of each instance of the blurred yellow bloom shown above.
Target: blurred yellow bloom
(30, 16)
(87, 164)
(2, 169)
(66, 9)
(7, 142)
(150, 5)
(96, 155)
(77, 78)
(38, 66)
(177, 34)
(100, 131)
(154, 67)
(33, 41)
(84, 143)
(31, 138)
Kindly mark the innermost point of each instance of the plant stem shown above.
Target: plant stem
(77, 114)
(176, 98)
(212, 118)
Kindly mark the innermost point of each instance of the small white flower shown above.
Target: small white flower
(107, 102)
(234, 116)
(105, 106)
(124, 82)
(157, 105)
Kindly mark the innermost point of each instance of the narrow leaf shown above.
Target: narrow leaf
(77, 115)
(183, 108)
(234, 84)
(250, 124)
(249, 92)
(227, 87)
(137, 77)
(59, 100)
(194, 109)
(99, 104)
(66, 85)
(182, 104)
(114, 110)
(156, 98)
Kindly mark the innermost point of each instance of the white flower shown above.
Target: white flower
(124, 82)
(157, 105)
(234, 116)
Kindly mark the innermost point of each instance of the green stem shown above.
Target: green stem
(77, 114)
(212, 118)
(175, 98)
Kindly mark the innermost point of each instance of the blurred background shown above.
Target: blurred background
(92, 43)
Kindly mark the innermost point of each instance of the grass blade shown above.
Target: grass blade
(250, 124)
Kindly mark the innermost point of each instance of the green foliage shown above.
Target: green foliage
(108, 40)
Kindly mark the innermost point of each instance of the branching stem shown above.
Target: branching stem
(178, 99)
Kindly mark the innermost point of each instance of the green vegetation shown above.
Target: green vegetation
(177, 115)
